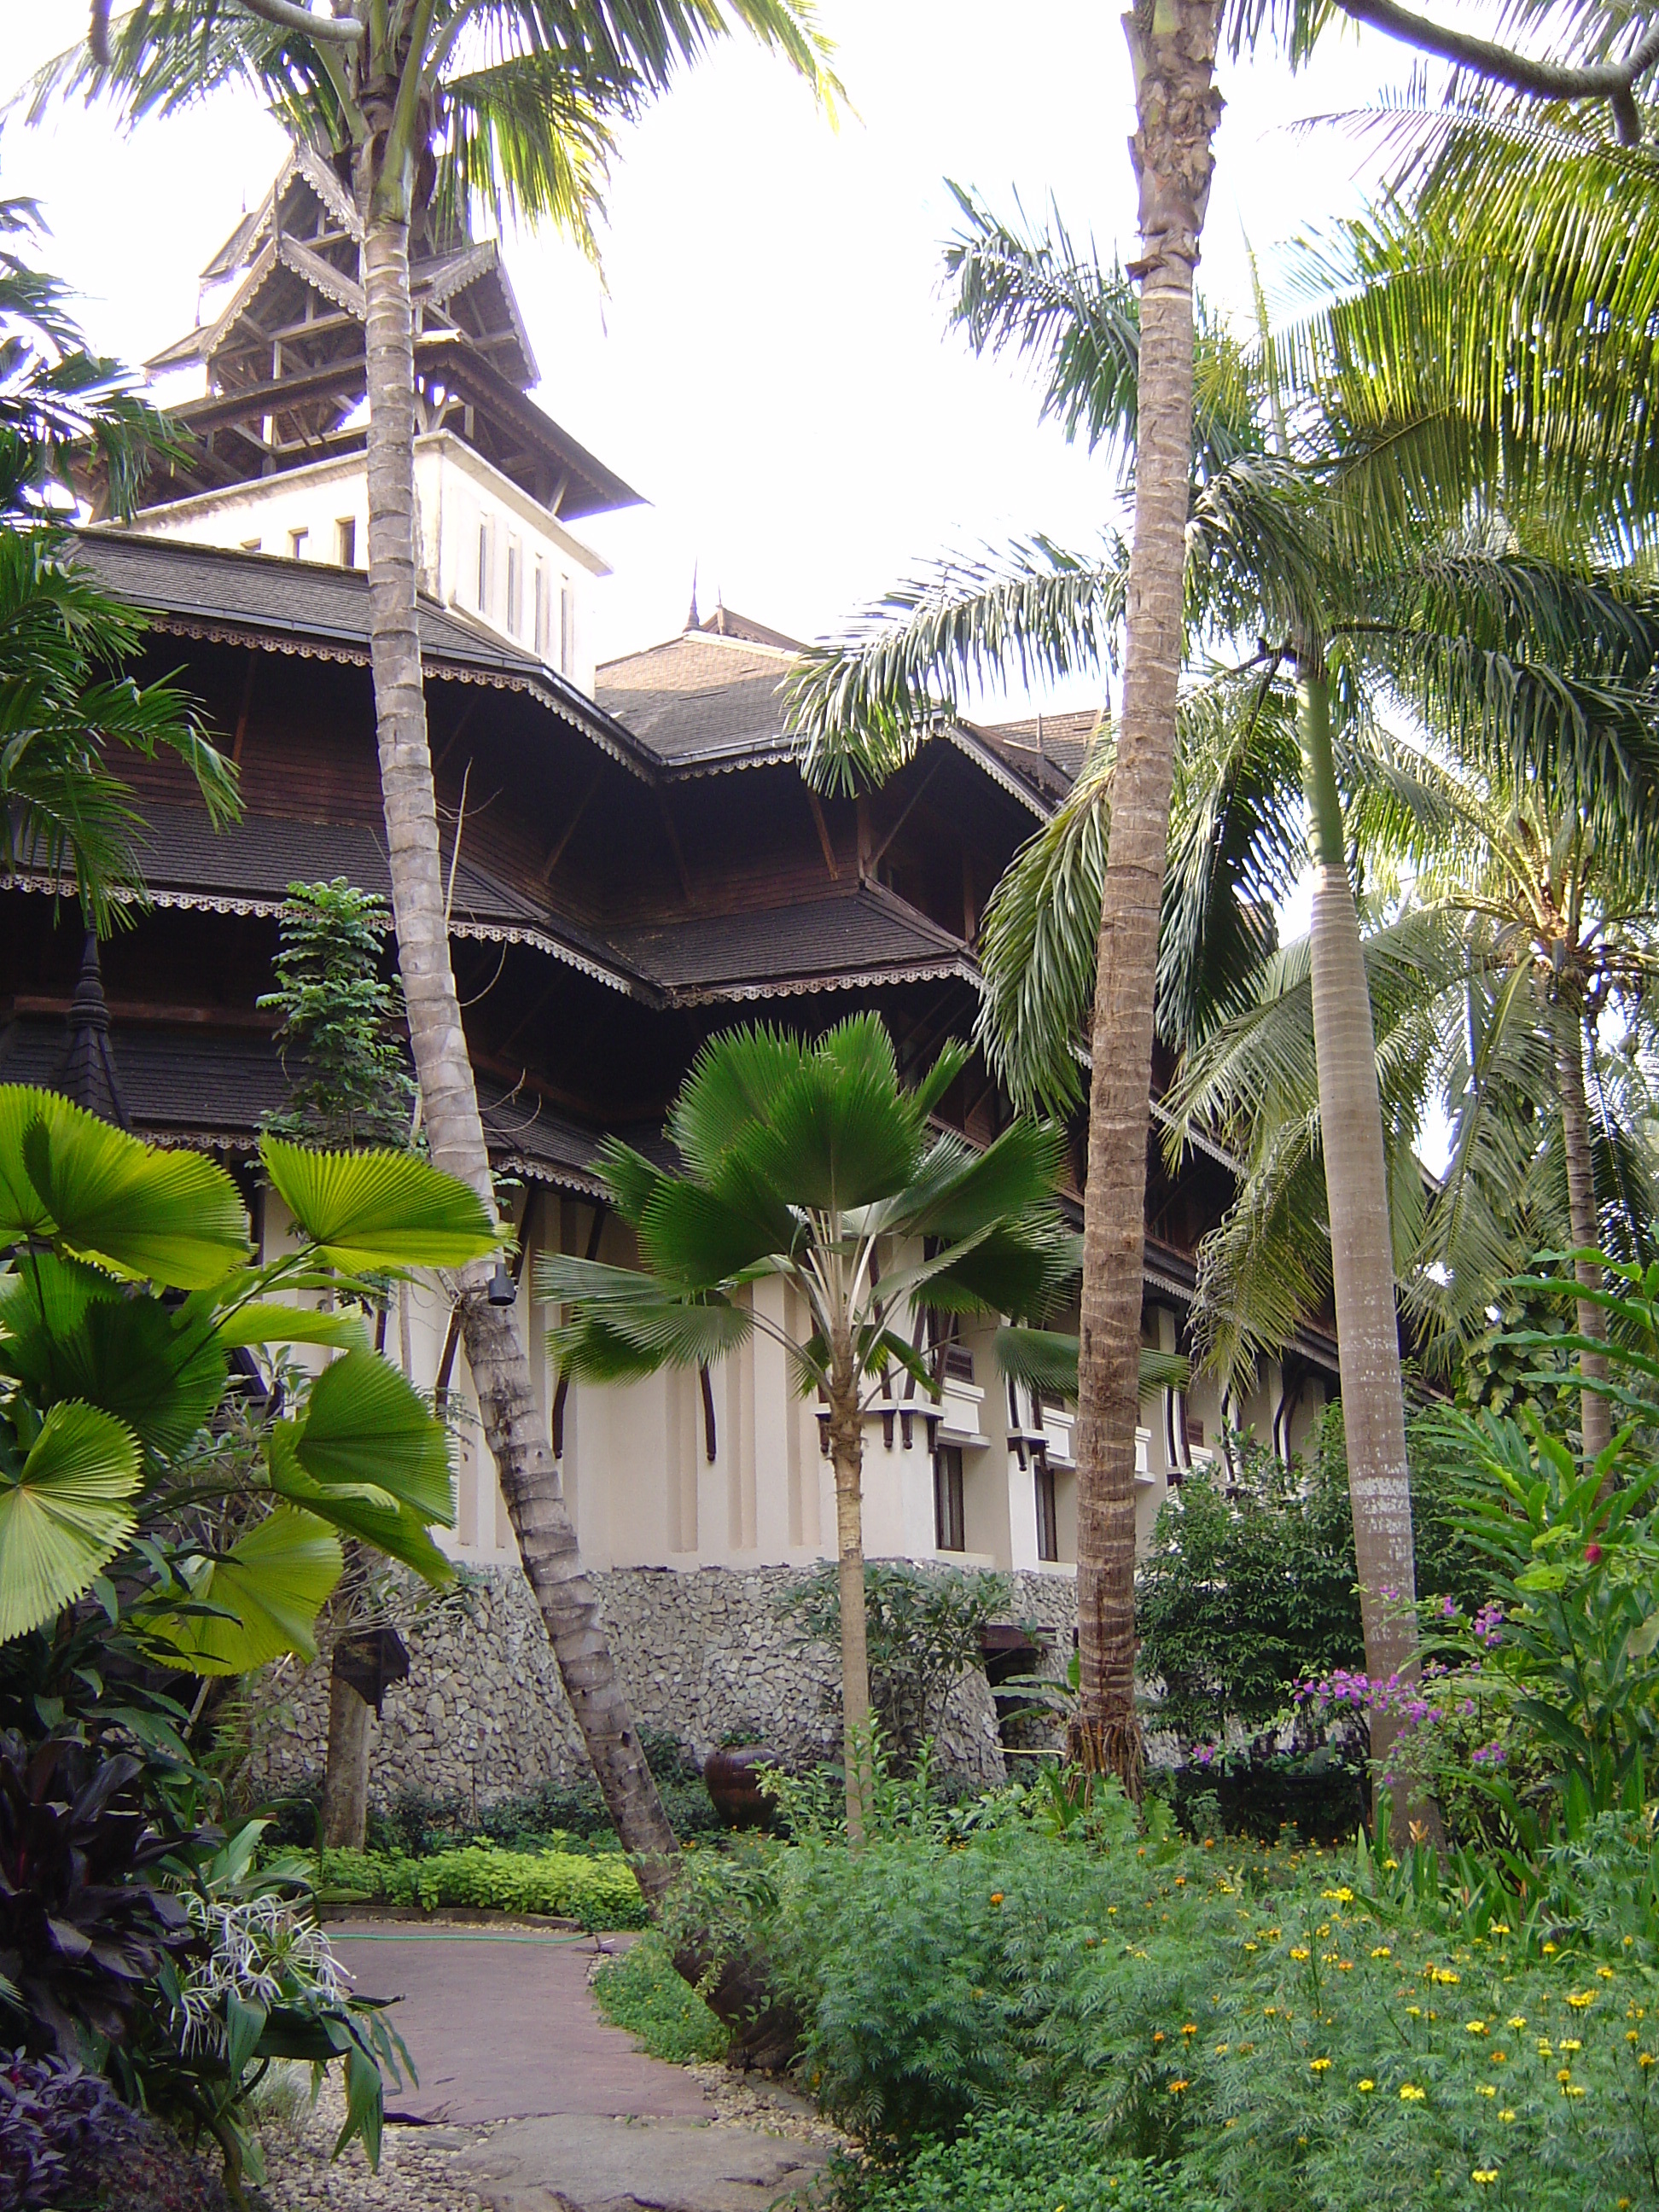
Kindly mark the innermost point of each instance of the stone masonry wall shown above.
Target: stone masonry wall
(702, 1655)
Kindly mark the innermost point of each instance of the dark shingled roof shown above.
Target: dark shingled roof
(1048, 749)
(859, 934)
(314, 608)
(198, 1085)
(703, 698)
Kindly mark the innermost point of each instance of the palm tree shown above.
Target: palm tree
(435, 105)
(812, 1166)
(1524, 924)
(65, 705)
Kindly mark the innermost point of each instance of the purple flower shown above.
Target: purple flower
(1490, 1754)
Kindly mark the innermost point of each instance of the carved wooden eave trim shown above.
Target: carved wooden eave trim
(257, 639)
(323, 277)
(254, 904)
(797, 987)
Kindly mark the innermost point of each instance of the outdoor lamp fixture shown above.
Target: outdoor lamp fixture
(503, 1290)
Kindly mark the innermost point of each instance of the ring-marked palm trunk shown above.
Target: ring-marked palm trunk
(501, 1372)
(1172, 48)
(1595, 1414)
(846, 1453)
(1362, 1248)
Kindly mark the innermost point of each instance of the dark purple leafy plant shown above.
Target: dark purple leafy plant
(67, 2139)
(83, 1928)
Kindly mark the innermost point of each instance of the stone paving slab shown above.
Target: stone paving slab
(577, 2162)
(502, 2026)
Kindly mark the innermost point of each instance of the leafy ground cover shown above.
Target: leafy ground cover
(1014, 2018)
(640, 1991)
(597, 1888)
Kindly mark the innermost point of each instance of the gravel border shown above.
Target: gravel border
(416, 2172)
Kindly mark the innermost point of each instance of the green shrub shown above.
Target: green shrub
(597, 1889)
(640, 1991)
(1279, 2029)
(1019, 2162)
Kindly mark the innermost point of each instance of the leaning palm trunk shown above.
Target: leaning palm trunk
(1594, 1415)
(1173, 52)
(1362, 1248)
(516, 1440)
(847, 1451)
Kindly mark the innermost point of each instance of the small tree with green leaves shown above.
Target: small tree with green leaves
(813, 1165)
(349, 1081)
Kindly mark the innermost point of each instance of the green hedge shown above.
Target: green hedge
(598, 1890)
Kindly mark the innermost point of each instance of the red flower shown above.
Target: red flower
(1593, 1553)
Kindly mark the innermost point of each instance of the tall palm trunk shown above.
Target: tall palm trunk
(1362, 1245)
(846, 1453)
(501, 1373)
(1595, 1414)
(1172, 49)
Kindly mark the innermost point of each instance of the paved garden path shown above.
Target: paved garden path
(503, 2029)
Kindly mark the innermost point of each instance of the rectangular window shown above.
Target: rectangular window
(1048, 1528)
(296, 543)
(1194, 1433)
(947, 1498)
(567, 631)
(514, 588)
(345, 531)
(484, 568)
(541, 613)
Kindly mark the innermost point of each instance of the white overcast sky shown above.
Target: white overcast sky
(770, 367)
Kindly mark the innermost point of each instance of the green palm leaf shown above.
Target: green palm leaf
(369, 1211)
(365, 1422)
(262, 1323)
(253, 1604)
(366, 1509)
(161, 1372)
(174, 1217)
(63, 1514)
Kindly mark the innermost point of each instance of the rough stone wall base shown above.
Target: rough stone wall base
(702, 1655)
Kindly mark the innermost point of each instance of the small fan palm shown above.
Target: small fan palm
(814, 1166)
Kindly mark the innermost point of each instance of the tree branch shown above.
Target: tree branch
(289, 15)
(1614, 81)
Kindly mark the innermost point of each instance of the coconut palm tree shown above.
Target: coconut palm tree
(1524, 926)
(812, 1166)
(435, 106)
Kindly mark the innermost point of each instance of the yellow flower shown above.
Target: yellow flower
(1416, 2011)
(1546, 2048)
(1484, 2090)
(1382, 1951)
(1507, 2117)
(1517, 2020)
(1411, 2094)
(1500, 2058)
(1365, 2088)
(1645, 2059)
(1573, 2090)
(1570, 2043)
(1157, 2035)
(1298, 1954)
(1605, 1973)
(1338, 1896)
(1485, 2175)
(1112, 1910)
(1324, 1931)
(1345, 1965)
(1221, 2049)
(1549, 1950)
(1631, 2036)
(1269, 2011)
(1319, 2065)
(1579, 1998)
(1250, 1946)
(1177, 2087)
(1474, 2027)
(1563, 2074)
(1499, 1927)
(996, 1897)
(1390, 1866)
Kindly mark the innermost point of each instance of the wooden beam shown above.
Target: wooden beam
(454, 737)
(823, 828)
(875, 859)
(674, 846)
(241, 718)
(569, 830)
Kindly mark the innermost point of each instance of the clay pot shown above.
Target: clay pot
(731, 1778)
